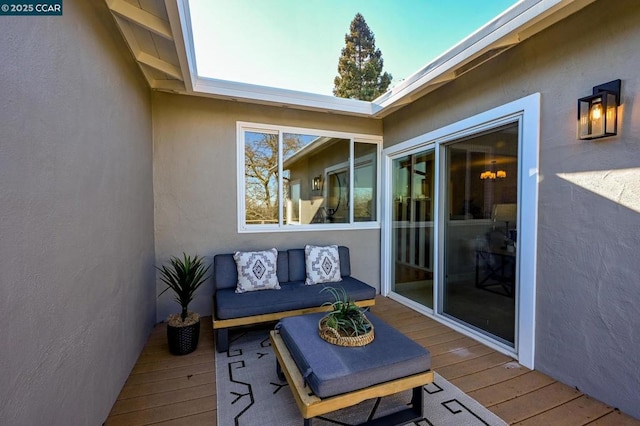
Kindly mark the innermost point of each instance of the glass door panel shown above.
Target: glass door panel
(480, 232)
(412, 234)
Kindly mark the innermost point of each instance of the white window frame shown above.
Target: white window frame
(525, 111)
(293, 184)
(281, 226)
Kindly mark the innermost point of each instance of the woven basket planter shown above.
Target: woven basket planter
(183, 340)
(332, 335)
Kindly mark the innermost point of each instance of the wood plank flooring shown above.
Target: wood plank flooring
(163, 389)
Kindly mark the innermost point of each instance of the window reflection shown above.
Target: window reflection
(364, 182)
(412, 238)
(319, 182)
(321, 165)
(261, 179)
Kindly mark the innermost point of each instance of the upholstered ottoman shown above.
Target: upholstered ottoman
(325, 378)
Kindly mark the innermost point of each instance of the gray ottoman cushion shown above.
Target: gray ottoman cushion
(332, 370)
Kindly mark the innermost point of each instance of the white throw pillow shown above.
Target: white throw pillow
(322, 264)
(257, 270)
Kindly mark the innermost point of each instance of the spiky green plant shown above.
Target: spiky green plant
(183, 276)
(345, 316)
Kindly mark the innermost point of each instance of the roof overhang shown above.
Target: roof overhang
(160, 38)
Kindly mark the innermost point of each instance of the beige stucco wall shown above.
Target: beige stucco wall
(195, 186)
(76, 216)
(587, 271)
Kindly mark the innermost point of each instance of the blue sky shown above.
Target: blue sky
(295, 44)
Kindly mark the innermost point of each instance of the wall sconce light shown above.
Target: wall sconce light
(316, 182)
(598, 113)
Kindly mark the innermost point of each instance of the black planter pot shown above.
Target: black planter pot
(183, 340)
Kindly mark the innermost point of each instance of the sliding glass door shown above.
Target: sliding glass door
(478, 283)
(460, 225)
(478, 230)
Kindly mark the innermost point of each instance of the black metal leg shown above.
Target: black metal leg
(279, 371)
(417, 401)
(222, 339)
(308, 422)
(408, 415)
(477, 268)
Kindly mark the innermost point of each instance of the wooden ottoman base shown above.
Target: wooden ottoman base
(312, 406)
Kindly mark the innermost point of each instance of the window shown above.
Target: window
(292, 179)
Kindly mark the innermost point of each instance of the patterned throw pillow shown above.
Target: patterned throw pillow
(257, 270)
(322, 264)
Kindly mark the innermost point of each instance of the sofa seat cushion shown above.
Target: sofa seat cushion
(332, 370)
(292, 295)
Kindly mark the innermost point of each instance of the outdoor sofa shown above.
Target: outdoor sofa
(294, 297)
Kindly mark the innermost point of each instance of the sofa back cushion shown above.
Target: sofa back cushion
(296, 265)
(345, 261)
(297, 271)
(225, 271)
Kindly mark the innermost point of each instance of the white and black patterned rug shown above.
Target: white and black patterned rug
(250, 393)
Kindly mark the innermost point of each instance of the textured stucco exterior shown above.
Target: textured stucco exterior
(76, 216)
(99, 181)
(587, 267)
(195, 186)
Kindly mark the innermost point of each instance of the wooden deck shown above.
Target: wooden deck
(168, 390)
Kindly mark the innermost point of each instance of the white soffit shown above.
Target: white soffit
(179, 73)
(146, 29)
(231, 90)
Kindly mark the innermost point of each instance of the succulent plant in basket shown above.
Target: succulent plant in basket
(346, 324)
(184, 276)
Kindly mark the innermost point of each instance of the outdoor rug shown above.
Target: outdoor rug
(249, 393)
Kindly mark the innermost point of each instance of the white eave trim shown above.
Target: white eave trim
(516, 24)
(501, 33)
(271, 95)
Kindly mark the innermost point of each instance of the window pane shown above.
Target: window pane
(412, 238)
(364, 182)
(321, 166)
(261, 180)
(297, 207)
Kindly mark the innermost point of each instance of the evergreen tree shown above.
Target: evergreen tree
(360, 65)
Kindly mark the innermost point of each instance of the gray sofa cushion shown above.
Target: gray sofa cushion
(390, 356)
(296, 261)
(292, 295)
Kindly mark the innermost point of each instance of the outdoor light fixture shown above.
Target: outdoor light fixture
(316, 182)
(598, 113)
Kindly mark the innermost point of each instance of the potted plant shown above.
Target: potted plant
(183, 276)
(346, 324)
